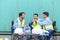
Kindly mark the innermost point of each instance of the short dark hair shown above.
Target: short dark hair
(46, 13)
(36, 14)
(20, 14)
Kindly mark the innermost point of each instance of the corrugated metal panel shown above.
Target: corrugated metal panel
(9, 10)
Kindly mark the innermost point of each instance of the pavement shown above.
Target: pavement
(8, 37)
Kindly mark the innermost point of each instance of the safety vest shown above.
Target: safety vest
(35, 25)
(20, 23)
(47, 27)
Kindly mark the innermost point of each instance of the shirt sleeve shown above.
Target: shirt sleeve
(15, 25)
(45, 22)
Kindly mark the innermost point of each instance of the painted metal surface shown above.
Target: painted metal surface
(9, 10)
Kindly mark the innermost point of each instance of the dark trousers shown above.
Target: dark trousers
(48, 37)
(50, 34)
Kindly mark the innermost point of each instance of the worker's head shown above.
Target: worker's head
(45, 14)
(21, 15)
(35, 16)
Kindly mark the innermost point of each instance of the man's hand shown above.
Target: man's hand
(33, 20)
(23, 26)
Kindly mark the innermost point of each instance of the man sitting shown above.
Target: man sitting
(46, 22)
(19, 23)
(34, 24)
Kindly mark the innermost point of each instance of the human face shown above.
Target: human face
(22, 16)
(44, 16)
(35, 17)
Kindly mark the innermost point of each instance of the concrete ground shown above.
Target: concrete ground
(5, 37)
(8, 37)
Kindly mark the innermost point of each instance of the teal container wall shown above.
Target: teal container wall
(9, 10)
(57, 13)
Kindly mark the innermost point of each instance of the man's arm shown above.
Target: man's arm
(15, 25)
(43, 22)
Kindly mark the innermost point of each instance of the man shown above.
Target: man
(46, 22)
(34, 22)
(19, 22)
(35, 27)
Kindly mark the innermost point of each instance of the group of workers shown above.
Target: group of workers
(36, 23)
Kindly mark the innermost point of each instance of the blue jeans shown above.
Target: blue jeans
(48, 37)
(50, 34)
(39, 37)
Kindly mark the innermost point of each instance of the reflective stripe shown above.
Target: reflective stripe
(49, 27)
(20, 23)
(36, 25)
(1, 38)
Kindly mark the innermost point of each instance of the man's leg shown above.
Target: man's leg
(39, 37)
(50, 34)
